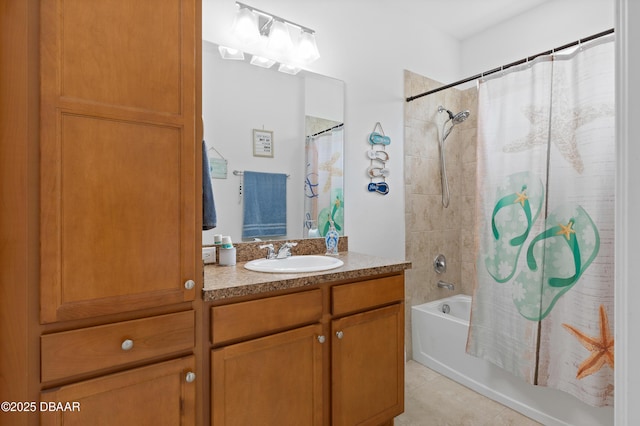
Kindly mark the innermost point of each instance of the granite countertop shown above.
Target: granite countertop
(224, 282)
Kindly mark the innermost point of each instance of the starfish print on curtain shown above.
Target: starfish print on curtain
(601, 347)
(333, 169)
(565, 121)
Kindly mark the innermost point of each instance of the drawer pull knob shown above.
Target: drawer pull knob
(321, 339)
(190, 377)
(339, 334)
(127, 345)
(189, 284)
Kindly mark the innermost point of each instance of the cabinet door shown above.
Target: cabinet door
(271, 381)
(368, 367)
(119, 156)
(160, 394)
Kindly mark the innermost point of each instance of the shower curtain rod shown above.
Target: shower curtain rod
(521, 61)
(337, 126)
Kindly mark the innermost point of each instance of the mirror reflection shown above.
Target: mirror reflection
(265, 121)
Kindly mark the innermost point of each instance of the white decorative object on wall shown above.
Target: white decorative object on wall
(378, 158)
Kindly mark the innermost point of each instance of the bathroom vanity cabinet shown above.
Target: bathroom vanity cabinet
(329, 355)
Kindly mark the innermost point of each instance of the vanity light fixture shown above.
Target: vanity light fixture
(270, 38)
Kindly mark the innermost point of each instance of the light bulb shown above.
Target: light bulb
(245, 26)
(307, 48)
(279, 38)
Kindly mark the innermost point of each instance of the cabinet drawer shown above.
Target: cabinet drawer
(81, 351)
(262, 316)
(366, 294)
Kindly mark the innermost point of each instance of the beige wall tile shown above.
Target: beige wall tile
(430, 228)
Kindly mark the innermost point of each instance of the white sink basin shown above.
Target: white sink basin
(294, 264)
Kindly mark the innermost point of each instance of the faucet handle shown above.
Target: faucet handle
(285, 250)
(270, 250)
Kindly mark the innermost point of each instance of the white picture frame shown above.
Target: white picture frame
(262, 143)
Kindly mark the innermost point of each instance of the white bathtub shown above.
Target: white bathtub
(439, 342)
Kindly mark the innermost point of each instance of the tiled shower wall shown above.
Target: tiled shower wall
(432, 229)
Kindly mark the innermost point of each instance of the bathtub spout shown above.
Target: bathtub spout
(448, 286)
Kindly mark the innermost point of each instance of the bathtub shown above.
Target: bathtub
(439, 342)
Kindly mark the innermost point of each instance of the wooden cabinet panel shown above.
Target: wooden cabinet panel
(367, 294)
(368, 367)
(100, 42)
(81, 351)
(271, 381)
(119, 156)
(268, 315)
(155, 395)
(117, 234)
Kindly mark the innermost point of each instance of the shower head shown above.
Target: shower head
(460, 117)
(455, 118)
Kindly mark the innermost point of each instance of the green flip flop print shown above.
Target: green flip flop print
(518, 198)
(570, 246)
(518, 206)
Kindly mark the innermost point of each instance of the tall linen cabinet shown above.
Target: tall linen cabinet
(102, 276)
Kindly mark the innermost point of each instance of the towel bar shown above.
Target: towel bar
(240, 173)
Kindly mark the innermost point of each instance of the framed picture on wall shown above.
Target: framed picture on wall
(262, 143)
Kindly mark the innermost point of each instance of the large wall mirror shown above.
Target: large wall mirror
(302, 118)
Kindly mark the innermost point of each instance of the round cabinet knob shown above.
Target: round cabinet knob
(127, 345)
(190, 377)
(189, 284)
(321, 339)
(339, 334)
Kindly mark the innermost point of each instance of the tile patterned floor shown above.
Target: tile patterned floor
(434, 400)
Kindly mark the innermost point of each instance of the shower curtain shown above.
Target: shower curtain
(543, 302)
(324, 200)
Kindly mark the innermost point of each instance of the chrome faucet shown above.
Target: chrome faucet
(285, 250)
(448, 286)
(271, 254)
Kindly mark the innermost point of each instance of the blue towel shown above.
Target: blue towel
(265, 205)
(209, 217)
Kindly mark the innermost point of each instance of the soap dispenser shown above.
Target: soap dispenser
(331, 240)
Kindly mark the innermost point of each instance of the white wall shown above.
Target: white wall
(545, 27)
